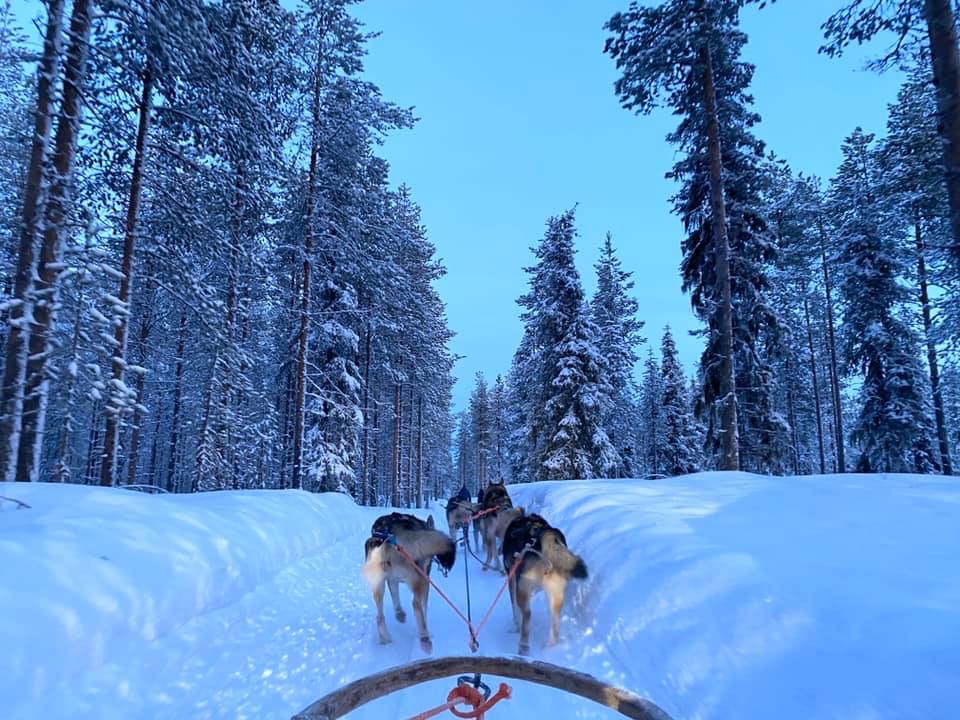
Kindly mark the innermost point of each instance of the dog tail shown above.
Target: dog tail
(422, 544)
(558, 554)
(373, 568)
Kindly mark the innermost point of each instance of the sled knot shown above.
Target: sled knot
(479, 697)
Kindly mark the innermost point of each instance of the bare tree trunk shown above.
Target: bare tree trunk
(816, 383)
(395, 471)
(133, 456)
(420, 452)
(119, 360)
(365, 472)
(92, 440)
(154, 447)
(36, 386)
(945, 62)
(945, 460)
(177, 395)
(301, 377)
(15, 365)
(832, 343)
(61, 466)
(792, 419)
(730, 442)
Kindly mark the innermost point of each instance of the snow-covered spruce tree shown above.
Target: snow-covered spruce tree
(499, 430)
(571, 393)
(650, 439)
(686, 52)
(910, 158)
(891, 430)
(521, 436)
(615, 313)
(481, 427)
(679, 443)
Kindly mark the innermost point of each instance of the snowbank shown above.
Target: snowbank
(737, 596)
(88, 571)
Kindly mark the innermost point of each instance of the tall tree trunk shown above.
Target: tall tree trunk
(119, 361)
(792, 419)
(15, 364)
(420, 451)
(92, 441)
(61, 466)
(832, 343)
(301, 377)
(154, 447)
(945, 62)
(816, 383)
(37, 383)
(177, 395)
(365, 471)
(133, 456)
(945, 460)
(730, 442)
(395, 471)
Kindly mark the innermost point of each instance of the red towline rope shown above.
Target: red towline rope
(474, 643)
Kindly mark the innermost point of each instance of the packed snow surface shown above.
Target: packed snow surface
(717, 595)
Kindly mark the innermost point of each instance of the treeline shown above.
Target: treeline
(829, 308)
(211, 283)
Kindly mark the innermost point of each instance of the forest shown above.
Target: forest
(211, 281)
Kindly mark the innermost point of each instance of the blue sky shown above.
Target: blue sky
(518, 121)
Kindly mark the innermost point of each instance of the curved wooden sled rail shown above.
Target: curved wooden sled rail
(360, 692)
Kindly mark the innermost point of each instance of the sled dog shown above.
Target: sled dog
(385, 565)
(545, 563)
(495, 500)
(459, 514)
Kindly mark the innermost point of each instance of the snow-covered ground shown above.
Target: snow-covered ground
(716, 595)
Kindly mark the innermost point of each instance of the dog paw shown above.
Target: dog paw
(401, 616)
(385, 639)
(524, 649)
(426, 644)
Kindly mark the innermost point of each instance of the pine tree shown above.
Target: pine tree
(615, 314)
(679, 444)
(652, 427)
(687, 52)
(891, 429)
(571, 395)
(481, 427)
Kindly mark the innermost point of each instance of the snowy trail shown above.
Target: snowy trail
(719, 596)
(303, 633)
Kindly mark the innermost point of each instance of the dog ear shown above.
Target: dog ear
(430, 522)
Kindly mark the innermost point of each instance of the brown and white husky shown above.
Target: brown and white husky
(385, 565)
(496, 501)
(546, 563)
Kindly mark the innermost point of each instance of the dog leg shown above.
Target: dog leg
(420, 591)
(513, 605)
(524, 595)
(394, 585)
(556, 589)
(381, 620)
